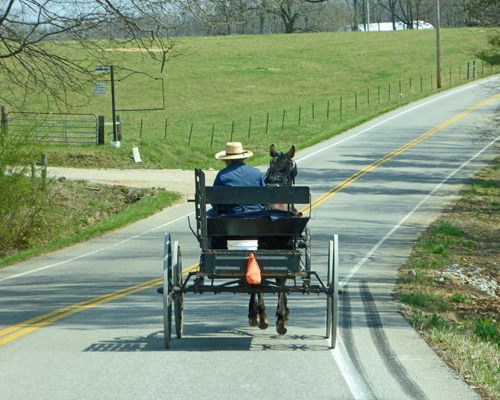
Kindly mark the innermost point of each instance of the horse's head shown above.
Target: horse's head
(282, 169)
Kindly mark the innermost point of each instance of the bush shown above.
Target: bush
(22, 200)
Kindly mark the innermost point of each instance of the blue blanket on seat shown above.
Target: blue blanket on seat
(272, 215)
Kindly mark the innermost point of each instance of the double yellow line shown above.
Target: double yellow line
(13, 332)
(389, 156)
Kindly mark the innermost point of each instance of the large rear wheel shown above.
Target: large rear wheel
(332, 299)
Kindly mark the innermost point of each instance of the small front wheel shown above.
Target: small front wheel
(167, 289)
(179, 297)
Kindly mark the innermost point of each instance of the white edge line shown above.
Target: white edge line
(351, 377)
(95, 251)
(355, 269)
(353, 380)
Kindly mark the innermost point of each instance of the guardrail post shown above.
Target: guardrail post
(100, 129)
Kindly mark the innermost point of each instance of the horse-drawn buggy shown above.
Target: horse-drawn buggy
(250, 253)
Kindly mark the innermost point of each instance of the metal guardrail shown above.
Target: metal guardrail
(53, 127)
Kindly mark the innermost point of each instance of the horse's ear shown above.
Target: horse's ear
(291, 152)
(272, 151)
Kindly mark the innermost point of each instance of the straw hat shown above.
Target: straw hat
(234, 151)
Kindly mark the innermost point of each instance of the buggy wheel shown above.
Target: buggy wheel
(167, 289)
(179, 296)
(333, 294)
(307, 243)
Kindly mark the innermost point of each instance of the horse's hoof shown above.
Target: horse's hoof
(264, 322)
(253, 319)
(281, 326)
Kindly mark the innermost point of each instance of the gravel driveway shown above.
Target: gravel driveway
(173, 180)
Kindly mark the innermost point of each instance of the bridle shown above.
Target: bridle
(281, 172)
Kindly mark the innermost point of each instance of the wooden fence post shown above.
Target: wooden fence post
(44, 163)
(100, 129)
(3, 118)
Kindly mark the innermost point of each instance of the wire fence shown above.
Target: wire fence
(336, 109)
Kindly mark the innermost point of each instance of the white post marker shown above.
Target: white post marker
(137, 156)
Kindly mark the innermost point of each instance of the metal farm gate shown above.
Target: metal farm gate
(53, 127)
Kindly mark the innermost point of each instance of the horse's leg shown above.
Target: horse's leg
(253, 313)
(261, 308)
(282, 312)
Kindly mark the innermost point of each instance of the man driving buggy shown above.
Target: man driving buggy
(236, 173)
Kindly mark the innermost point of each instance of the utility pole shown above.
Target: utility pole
(438, 46)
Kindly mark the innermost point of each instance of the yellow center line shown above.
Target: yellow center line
(43, 320)
(23, 328)
(359, 174)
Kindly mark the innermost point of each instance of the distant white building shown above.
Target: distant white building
(387, 26)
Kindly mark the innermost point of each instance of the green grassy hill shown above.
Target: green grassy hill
(282, 89)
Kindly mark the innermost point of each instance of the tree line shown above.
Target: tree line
(28, 64)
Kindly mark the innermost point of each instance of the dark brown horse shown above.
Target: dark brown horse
(281, 172)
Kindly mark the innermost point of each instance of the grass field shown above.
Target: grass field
(283, 89)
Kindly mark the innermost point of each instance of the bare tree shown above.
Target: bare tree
(46, 46)
(289, 10)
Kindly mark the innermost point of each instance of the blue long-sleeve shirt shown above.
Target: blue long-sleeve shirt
(238, 174)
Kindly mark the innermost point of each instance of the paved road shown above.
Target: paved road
(86, 322)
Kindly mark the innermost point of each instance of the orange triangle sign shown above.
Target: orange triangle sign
(253, 271)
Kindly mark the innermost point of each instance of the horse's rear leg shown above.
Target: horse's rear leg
(282, 314)
(253, 313)
(257, 312)
(261, 307)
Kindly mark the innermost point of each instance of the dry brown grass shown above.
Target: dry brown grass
(446, 310)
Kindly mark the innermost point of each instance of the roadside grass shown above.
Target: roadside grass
(263, 89)
(79, 211)
(458, 319)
